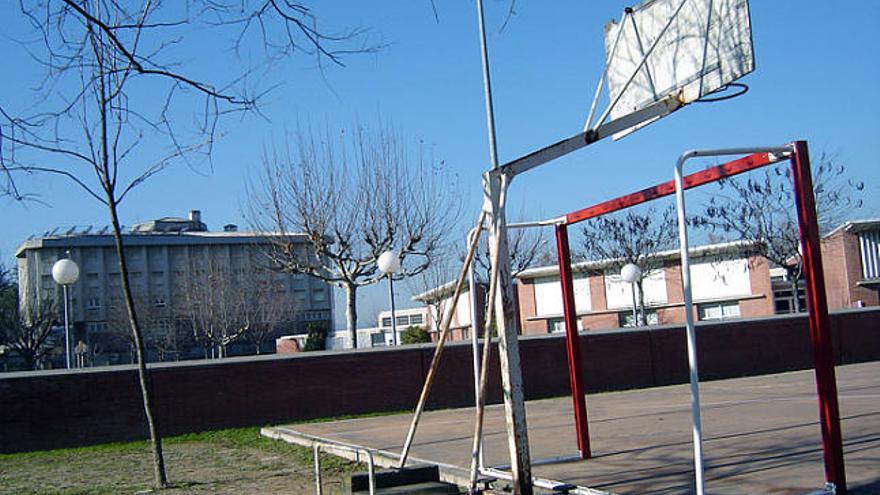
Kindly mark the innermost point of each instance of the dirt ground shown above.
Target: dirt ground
(236, 463)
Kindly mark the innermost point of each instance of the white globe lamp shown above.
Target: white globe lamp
(632, 273)
(65, 272)
(389, 264)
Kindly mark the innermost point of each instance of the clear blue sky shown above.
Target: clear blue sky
(817, 74)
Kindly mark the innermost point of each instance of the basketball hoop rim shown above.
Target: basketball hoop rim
(740, 90)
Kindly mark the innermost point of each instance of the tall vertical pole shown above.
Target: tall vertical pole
(475, 349)
(572, 343)
(632, 288)
(487, 87)
(393, 315)
(696, 421)
(508, 344)
(66, 328)
(495, 189)
(820, 325)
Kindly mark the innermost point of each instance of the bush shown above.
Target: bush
(415, 335)
(317, 338)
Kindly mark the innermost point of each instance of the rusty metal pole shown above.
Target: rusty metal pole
(494, 189)
(441, 342)
(820, 325)
(496, 185)
(476, 450)
(572, 344)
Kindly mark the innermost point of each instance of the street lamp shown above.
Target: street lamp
(65, 272)
(632, 273)
(389, 264)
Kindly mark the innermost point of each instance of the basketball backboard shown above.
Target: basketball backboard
(689, 48)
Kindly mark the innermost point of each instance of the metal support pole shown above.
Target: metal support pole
(475, 352)
(495, 187)
(66, 328)
(632, 288)
(487, 87)
(691, 330)
(484, 373)
(393, 315)
(438, 351)
(820, 325)
(572, 342)
(316, 450)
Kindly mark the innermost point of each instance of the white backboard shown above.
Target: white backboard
(707, 45)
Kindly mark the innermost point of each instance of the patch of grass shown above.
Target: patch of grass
(230, 461)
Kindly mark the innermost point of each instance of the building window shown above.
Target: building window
(403, 320)
(377, 339)
(783, 297)
(93, 303)
(416, 320)
(299, 295)
(386, 322)
(96, 326)
(625, 319)
(869, 244)
(319, 295)
(556, 325)
(718, 311)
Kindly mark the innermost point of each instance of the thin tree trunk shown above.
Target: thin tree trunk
(796, 304)
(160, 478)
(351, 312)
(642, 319)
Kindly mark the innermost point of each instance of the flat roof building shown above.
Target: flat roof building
(185, 280)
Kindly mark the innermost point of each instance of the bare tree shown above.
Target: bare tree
(275, 312)
(225, 301)
(430, 284)
(631, 237)
(527, 246)
(113, 94)
(354, 195)
(760, 207)
(25, 332)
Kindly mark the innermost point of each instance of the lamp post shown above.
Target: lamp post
(389, 264)
(632, 273)
(65, 272)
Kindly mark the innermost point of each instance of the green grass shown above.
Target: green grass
(234, 461)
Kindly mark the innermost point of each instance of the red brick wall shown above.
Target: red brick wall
(525, 292)
(834, 268)
(59, 408)
(759, 278)
(842, 267)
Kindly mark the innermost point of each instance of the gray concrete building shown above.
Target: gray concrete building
(193, 288)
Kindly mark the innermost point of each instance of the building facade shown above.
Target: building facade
(851, 264)
(381, 334)
(184, 279)
(728, 282)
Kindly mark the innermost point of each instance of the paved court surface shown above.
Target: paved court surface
(761, 436)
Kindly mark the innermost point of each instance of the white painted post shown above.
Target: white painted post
(495, 188)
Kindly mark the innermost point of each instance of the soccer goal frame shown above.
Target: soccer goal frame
(819, 323)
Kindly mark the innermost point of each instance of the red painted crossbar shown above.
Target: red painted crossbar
(711, 174)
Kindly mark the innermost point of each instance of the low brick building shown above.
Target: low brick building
(851, 262)
(728, 282)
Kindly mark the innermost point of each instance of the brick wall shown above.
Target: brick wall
(49, 409)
